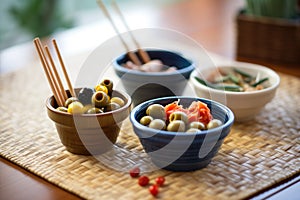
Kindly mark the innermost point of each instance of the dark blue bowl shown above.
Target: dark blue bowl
(143, 86)
(180, 151)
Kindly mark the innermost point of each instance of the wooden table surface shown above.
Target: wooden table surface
(211, 23)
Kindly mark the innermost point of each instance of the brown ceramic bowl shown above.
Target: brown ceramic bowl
(89, 134)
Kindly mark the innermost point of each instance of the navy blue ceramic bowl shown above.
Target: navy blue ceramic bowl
(180, 151)
(142, 86)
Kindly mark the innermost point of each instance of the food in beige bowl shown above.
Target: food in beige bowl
(245, 103)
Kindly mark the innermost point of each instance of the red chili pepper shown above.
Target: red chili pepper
(153, 189)
(160, 180)
(143, 180)
(135, 172)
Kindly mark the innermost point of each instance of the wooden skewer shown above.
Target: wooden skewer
(60, 85)
(51, 75)
(47, 70)
(144, 55)
(132, 56)
(64, 69)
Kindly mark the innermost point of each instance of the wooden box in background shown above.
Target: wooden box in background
(268, 40)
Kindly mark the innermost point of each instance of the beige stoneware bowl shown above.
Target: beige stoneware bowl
(245, 105)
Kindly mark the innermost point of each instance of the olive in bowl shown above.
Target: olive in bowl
(174, 149)
(246, 100)
(89, 133)
(143, 86)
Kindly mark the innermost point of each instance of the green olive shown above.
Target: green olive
(156, 111)
(214, 123)
(197, 125)
(179, 115)
(87, 107)
(109, 85)
(100, 99)
(94, 110)
(193, 130)
(75, 108)
(62, 109)
(157, 124)
(112, 106)
(176, 126)
(102, 88)
(146, 120)
(70, 100)
(118, 100)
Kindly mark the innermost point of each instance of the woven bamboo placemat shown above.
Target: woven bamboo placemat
(255, 155)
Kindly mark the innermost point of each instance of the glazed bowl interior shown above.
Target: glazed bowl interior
(142, 86)
(181, 151)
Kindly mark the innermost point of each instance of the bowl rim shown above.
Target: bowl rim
(189, 68)
(136, 124)
(243, 65)
(123, 108)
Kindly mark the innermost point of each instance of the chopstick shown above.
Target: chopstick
(51, 73)
(48, 73)
(64, 68)
(60, 85)
(132, 56)
(144, 55)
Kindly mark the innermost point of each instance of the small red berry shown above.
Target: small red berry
(160, 180)
(153, 189)
(135, 172)
(143, 180)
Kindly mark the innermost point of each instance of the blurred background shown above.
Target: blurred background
(23, 20)
(261, 31)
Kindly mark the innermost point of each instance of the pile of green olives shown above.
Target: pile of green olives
(178, 121)
(93, 101)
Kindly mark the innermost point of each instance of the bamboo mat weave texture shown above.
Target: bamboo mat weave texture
(255, 155)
